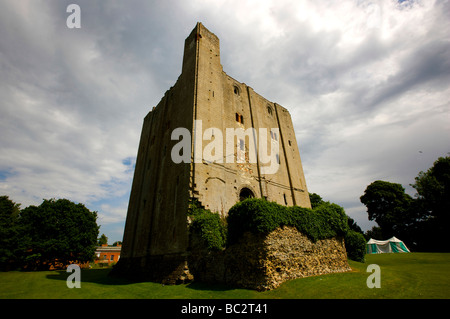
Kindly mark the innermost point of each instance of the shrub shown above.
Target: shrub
(355, 244)
(260, 216)
(208, 225)
(255, 215)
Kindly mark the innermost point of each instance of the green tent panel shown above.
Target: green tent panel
(392, 245)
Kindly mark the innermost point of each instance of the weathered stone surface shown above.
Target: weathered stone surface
(264, 262)
(206, 102)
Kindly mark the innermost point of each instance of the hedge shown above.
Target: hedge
(255, 215)
(355, 244)
(260, 216)
(326, 220)
(208, 225)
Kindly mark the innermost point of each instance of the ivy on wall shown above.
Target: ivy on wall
(254, 215)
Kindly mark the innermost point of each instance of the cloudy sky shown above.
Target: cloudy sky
(367, 84)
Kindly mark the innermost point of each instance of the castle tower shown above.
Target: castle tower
(211, 138)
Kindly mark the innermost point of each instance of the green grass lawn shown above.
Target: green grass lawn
(414, 275)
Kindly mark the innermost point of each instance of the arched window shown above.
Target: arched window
(245, 193)
(269, 110)
(236, 90)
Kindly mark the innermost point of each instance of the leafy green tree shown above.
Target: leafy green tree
(423, 222)
(389, 206)
(103, 240)
(353, 225)
(374, 233)
(433, 204)
(355, 242)
(9, 239)
(58, 231)
(315, 200)
(433, 189)
(355, 245)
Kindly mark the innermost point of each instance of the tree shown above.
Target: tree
(58, 231)
(103, 240)
(9, 239)
(433, 202)
(389, 206)
(422, 222)
(375, 233)
(355, 243)
(353, 225)
(315, 200)
(433, 189)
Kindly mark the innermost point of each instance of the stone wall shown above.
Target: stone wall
(264, 262)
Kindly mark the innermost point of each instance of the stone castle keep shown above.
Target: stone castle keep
(156, 237)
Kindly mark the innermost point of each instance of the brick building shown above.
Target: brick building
(107, 254)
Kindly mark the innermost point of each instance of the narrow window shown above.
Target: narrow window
(274, 136)
(269, 109)
(239, 118)
(236, 90)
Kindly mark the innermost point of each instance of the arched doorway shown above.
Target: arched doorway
(245, 193)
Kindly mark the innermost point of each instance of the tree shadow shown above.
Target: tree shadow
(102, 277)
(98, 276)
(209, 286)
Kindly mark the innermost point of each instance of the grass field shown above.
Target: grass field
(414, 275)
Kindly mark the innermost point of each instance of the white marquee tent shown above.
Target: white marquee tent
(392, 245)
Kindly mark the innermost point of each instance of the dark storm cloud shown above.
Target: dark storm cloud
(366, 83)
(426, 68)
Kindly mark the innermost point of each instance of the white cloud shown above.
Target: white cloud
(366, 82)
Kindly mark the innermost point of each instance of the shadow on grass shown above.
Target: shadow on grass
(208, 286)
(102, 277)
(98, 276)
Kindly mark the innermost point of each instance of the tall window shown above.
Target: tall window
(239, 118)
(240, 155)
(273, 136)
